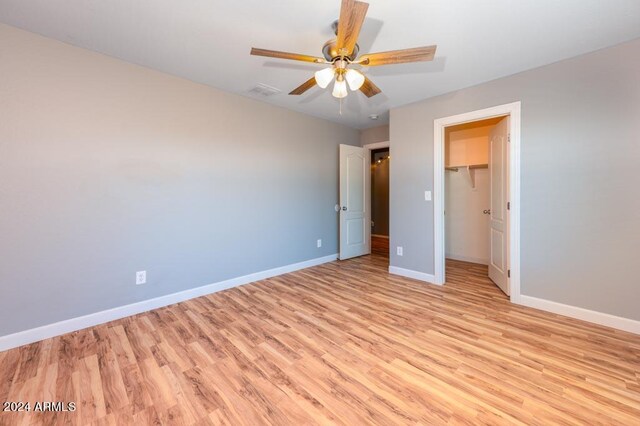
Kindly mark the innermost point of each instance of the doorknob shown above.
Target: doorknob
(486, 211)
(344, 208)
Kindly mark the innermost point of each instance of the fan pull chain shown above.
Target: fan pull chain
(340, 106)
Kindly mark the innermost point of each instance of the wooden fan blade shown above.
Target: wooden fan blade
(417, 54)
(286, 55)
(352, 14)
(369, 89)
(304, 87)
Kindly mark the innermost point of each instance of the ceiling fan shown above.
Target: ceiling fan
(343, 52)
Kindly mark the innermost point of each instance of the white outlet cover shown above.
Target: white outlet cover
(427, 195)
(141, 277)
(399, 251)
(319, 243)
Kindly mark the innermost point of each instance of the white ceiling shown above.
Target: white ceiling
(208, 41)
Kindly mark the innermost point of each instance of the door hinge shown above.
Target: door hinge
(508, 273)
(509, 137)
(508, 205)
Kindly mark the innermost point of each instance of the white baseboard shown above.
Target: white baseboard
(67, 326)
(467, 259)
(431, 279)
(625, 324)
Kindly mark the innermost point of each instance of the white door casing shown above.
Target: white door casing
(513, 110)
(355, 203)
(499, 235)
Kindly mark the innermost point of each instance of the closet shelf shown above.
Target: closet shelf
(468, 166)
(469, 171)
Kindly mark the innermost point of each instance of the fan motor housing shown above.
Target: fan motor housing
(330, 51)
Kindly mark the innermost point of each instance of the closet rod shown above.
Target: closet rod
(470, 167)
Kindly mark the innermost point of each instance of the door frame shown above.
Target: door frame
(513, 111)
(370, 147)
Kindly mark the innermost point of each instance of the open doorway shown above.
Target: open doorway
(477, 193)
(355, 207)
(474, 238)
(380, 163)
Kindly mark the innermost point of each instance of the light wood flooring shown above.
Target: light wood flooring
(341, 343)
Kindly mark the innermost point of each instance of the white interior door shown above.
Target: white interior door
(499, 168)
(355, 204)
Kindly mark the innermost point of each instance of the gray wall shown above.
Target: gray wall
(580, 207)
(107, 168)
(374, 135)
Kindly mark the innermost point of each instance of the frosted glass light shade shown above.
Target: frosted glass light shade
(340, 89)
(324, 77)
(354, 78)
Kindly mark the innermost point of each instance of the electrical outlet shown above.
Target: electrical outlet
(399, 251)
(141, 277)
(427, 195)
(319, 243)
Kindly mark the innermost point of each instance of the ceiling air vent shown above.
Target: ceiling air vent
(264, 90)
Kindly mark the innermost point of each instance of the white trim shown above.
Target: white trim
(513, 111)
(380, 236)
(421, 276)
(67, 326)
(377, 145)
(467, 259)
(626, 324)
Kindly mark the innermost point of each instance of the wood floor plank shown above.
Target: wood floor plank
(89, 396)
(339, 343)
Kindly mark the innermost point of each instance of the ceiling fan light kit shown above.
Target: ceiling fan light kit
(354, 78)
(324, 77)
(340, 88)
(344, 51)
